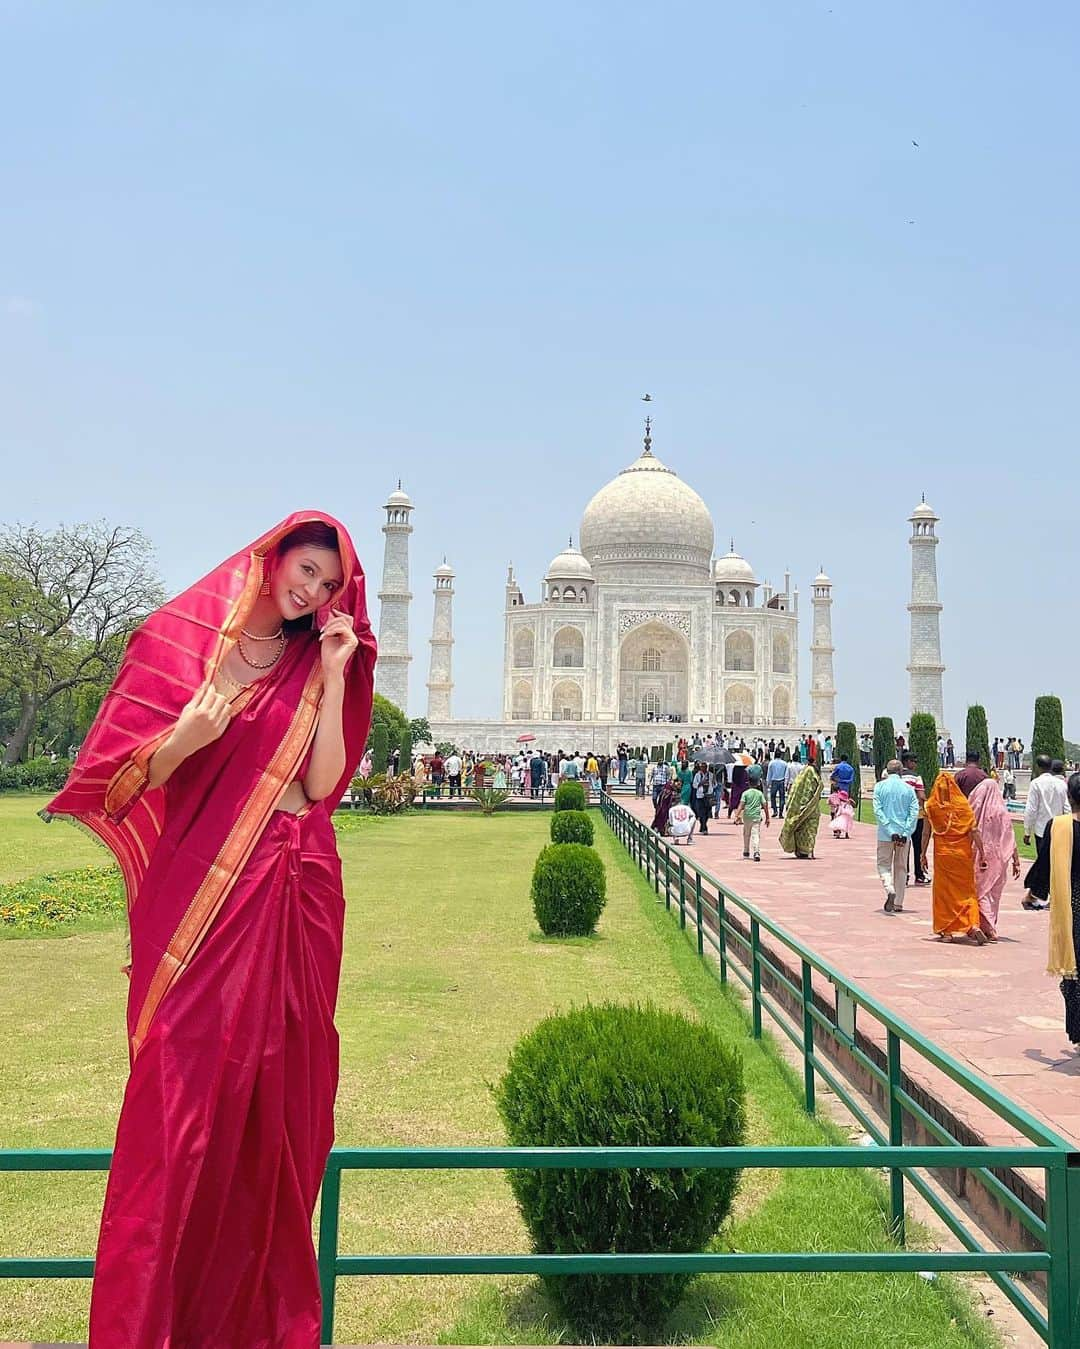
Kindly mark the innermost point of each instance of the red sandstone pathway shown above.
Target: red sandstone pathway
(990, 1007)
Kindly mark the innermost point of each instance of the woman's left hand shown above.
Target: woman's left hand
(338, 642)
(1015, 865)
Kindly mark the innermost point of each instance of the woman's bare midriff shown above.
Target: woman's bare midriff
(294, 800)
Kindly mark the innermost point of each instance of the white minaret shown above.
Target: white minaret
(440, 677)
(392, 668)
(925, 668)
(822, 686)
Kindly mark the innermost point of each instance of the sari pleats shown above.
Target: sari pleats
(228, 1118)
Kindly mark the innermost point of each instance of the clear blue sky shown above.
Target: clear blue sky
(255, 257)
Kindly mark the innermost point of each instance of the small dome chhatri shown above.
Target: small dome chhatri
(734, 567)
(569, 565)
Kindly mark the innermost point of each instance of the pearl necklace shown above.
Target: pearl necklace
(279, 636)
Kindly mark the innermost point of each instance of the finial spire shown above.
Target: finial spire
(399, 486)
(648, 435)
(731, 541)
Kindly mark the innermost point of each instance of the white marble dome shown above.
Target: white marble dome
(734, 567)
(647, 516)
(569, 565)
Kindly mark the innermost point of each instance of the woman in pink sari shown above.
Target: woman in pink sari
(999, 852)
(232, 728)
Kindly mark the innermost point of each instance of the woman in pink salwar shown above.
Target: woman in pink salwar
(999, 852)
(231, 730)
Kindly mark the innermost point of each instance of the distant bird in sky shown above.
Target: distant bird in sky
(916, 144)
(646, 398)
(911, 222)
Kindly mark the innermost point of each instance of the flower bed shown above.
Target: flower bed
(58, 900)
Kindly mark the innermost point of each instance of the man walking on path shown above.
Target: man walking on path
(843, 776)
(910, 774)
(1047, 796)
(971, 774)
(452, 764)
(660, 775)
(776, 777)
(752, 805)
(896, 809)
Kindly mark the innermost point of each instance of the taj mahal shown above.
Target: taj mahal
(641, 623)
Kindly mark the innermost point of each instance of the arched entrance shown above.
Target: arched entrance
(654, 662)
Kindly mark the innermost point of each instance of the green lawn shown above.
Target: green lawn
(28, 846)
(443, 970)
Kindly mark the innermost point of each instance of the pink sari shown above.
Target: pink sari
(235, 912)
(999, 844)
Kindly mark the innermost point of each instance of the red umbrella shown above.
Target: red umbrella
(522, 739)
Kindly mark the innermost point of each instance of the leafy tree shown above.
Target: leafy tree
(69, 600)
(977, 736)
(421, 730)
(1047, 737)
(922, 739)
(884, 744)
(388, 714)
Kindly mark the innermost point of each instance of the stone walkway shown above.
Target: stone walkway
(992, 1007)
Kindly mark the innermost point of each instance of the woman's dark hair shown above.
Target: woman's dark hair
(315, 534)
(1074, 790)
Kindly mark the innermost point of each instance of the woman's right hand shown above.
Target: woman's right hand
(205, 719)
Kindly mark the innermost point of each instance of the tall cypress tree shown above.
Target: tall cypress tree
(380, 748)
(884, 744)
(978, 736)
(847, 742)
(923, 742)
(405, 751)
(1048, 735)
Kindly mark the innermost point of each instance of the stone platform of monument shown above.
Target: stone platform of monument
(992, 1007)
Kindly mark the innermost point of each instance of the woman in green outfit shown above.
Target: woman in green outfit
(802, 815)
(686, 782)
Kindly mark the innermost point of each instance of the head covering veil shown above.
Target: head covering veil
(169, 657)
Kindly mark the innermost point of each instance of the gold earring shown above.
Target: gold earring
(264, 589)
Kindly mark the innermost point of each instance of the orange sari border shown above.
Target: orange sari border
(230, 861)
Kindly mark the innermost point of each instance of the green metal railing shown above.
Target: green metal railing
(333, 1265)
(708, 905)
(733, 927)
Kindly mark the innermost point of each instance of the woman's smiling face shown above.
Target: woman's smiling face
(304, 579)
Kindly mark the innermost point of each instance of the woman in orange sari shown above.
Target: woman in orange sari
(237, 717)
(957, 849)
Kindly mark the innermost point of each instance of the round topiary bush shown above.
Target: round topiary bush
(569, 889)
(617, 1076)
(570, 796)
(571, 826)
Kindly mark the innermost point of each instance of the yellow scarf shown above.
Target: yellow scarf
(1062, 958)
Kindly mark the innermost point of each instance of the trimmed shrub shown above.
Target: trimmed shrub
(405, 752)
(669, 752)
(1047, 737)
(569, 890)
(570, 795)
(922, 740)
(35, 775)
(977, 736)
(380, 749)
(884, 744)
(617, 1076)
(847, 742)
(571, 826)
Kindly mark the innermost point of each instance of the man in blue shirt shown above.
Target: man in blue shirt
(843, 775)
(776, 777)
(896, 809)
